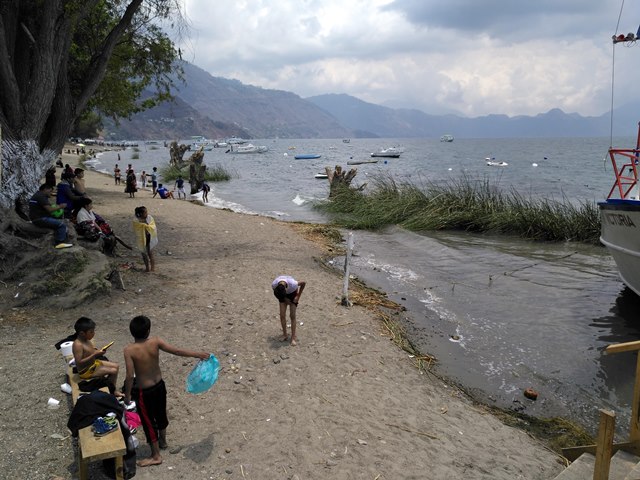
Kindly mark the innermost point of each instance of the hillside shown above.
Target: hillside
(217, 107)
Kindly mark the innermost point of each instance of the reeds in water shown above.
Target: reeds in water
(463, 204)
(214, 173)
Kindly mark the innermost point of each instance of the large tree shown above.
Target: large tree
(61, 58)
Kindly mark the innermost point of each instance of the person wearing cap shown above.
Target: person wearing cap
(288, 290)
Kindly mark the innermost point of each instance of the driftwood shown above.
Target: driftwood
(340, 179)
(176, 153)
(197, 170)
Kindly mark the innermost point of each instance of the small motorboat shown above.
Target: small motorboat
(321, 175)
(248, 148)
(307, 156)
(391, 152)
(492, 163)
(446, 138)
(360, 162)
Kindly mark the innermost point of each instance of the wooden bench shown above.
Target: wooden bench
(92, 448)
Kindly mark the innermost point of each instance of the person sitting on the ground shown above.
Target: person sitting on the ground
(41, 214)
(93, 227)
(163, 192)
(67, 195)
(90, 361)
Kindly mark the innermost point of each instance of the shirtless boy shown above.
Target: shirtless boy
(142, 359)
(87, 355)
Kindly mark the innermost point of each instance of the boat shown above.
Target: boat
(235, 141)
(321, 175)
(346, 140)
(248, 148)
(446, 138)
(391, 152)
(496, 164)
(360, 162)
(199, 142)
(307, 156)
(620, 214)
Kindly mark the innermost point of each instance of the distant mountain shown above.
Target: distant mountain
(398, 123)
(216, 107)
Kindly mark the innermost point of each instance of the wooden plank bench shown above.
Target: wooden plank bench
(90, 447)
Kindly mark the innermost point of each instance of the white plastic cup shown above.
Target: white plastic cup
(66, 388)
(52, 403)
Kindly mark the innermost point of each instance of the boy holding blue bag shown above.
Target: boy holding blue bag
(142, 359)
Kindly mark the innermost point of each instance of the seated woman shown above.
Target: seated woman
(93, 227)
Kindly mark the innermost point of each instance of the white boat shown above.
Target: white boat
(346, 140)
(321, 175)
(446, 138)
(391, 152)
(236, 141)
(248, 148)
(620, 215)
(496, 164)
(198, 142)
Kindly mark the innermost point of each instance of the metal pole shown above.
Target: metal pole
(347, 260)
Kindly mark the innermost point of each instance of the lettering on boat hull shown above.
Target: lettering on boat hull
(618, 219)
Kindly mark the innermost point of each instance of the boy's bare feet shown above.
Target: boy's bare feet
(294, 342)
(284, 338)
(147, 462)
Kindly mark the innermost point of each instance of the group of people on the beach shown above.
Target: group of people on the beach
(143, 381)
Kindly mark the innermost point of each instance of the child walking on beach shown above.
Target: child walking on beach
(87, 356)
(146, 233)
(287, 290)
(142, 360)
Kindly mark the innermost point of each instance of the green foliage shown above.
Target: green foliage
(214, 173)
(138, 74)
(87, 125)
(135, 156)
(464, 204)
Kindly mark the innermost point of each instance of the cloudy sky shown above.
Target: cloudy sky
(470, 57)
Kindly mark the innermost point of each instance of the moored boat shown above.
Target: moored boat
(446, 138)
(360, 162)
(307, 156)
(248, 148)
(321, 175)
(620, 215)
(391, 152)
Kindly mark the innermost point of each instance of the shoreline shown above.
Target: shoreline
(344, 403)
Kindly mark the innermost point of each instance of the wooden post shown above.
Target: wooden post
(347, 259)
(634, 430)
(604, 445)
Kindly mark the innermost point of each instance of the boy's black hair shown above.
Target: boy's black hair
(280, 291)
(43, 186)
(84, 324)
(139, 211)
(140, 327)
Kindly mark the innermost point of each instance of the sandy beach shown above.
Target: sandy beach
(345, 403)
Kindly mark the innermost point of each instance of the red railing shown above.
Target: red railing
(625, 168)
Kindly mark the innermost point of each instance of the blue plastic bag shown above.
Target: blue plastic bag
(203, 375)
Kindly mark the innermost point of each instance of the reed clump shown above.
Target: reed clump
(463, 204)
(214, 173)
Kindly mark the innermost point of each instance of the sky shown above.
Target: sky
(468, 57)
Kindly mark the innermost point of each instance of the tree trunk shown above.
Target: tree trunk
(197, 170)
(339, 179)
(176, 153)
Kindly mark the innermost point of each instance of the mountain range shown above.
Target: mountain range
(217, 107)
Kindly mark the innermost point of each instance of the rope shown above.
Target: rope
(613, 75)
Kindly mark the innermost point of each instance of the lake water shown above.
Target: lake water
(500, 314)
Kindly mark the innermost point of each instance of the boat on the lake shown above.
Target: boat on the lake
(248, 148)
(360, 162)
(620, 214)
(199, 142)
(321, 175)
(391, 152)
(446, 138)
(307, 156)
(492, 163)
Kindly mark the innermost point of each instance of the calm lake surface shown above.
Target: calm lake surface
(500, 314)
